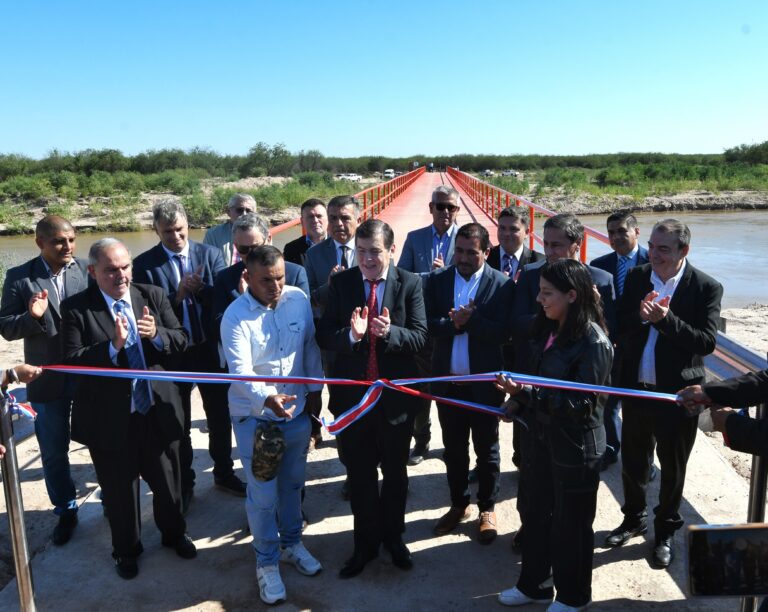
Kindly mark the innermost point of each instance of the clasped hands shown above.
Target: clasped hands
(461, 315)
(191, 284)
(652, 311)
(145, 326)
(380, 326)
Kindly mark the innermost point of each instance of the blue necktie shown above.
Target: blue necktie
(506, 266)
(621, 272)
(194, 318)
(142, 399)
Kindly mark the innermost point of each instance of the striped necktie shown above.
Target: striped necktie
(622, 264)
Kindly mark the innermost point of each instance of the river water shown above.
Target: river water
(730, 246)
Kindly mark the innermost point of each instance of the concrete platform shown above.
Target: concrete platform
(452, 572)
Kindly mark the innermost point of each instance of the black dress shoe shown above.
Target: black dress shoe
(401, 556)
(355, 565)
(183, 545)
(231, 484)
(418, 454)
(663, 554)
(62, 533)
(126, 567)
(622, 534)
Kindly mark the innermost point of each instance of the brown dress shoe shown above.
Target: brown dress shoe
(450, 519)
(487, 527)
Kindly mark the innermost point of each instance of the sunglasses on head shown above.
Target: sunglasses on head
(442, 207)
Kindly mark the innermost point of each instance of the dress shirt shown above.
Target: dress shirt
(379, 296)
(441, 244)
(463, 291)
(58, 279)
(515, 259)
(157, 341)
(187, 323)
(350, 252)
(265, 341)
(647, 370)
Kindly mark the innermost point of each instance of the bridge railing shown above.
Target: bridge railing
(492, 199)
(372, 200)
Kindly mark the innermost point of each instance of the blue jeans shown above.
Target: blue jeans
(52, 431)
(274, 507)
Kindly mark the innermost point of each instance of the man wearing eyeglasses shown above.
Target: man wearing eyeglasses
(220, 236)
(427, 249)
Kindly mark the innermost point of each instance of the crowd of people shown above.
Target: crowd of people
(334, 304)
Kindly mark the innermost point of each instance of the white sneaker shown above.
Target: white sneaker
(515, 597)
(271, 587)
(301, 559)
(557, 606)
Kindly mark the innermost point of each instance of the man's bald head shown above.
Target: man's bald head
(52, 224)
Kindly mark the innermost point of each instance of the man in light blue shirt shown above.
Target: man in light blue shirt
(269, 331)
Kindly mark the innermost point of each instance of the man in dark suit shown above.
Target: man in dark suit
(511, 255)
(31, 310)
(314, 220)
(185, 271)
(427, 249)
(467, 305)
(627, 253)
(375, 323)
(667, 324)
(132, 428)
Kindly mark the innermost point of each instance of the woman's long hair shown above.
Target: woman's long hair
(567, 274)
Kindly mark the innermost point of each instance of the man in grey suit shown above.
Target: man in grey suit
(31, 310)
(427, 249)
(335, 253)
(627, 253)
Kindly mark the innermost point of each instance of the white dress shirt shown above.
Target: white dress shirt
(647, 370)
(265, 341)
(350, 252)
(463, 291)
(515, 259)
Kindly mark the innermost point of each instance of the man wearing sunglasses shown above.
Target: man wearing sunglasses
(220, 236)
(427, 249)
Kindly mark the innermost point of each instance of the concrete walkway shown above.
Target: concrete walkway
(453, 572)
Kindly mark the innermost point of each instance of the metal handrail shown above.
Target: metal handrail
(385, 193)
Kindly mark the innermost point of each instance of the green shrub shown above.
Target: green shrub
(27, 187)
(200, 210)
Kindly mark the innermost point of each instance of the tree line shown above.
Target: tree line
(276, 160)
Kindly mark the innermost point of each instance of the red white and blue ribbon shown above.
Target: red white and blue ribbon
(376, 388)
(19, 409)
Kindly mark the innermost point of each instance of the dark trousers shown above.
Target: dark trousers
(422, 424)
(674, 434)
(612, 422)
(200, 358)
(559, 539)
(526, 439)
(457, 425)
(144, 455)
(379, 515)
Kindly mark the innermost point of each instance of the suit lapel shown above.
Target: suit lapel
(167, 267)
(44, 282)
(101, 314)
(74, 280)
(484, 286)
(681, 291)
(391, 289)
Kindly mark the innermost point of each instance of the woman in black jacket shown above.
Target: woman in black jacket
(569, 342)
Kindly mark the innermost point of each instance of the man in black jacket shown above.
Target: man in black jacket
(314, 220)
(375, 323)
(667, 323)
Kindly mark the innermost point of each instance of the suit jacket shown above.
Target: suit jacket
(320, 260)
(396, 354)
(527, 257)
(417, 251)
(154, 268)
(42, 345)
(102, 406)
(525, 306)
(488, 328)
(227, 281)
(686, 334)
(296, 250)
(609, 261)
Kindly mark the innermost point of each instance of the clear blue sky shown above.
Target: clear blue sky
(391, 78)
